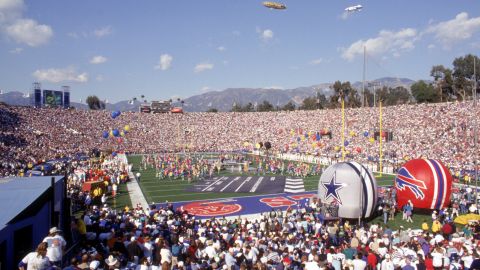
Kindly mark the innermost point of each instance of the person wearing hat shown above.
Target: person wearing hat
(56, 246)
(111, 262)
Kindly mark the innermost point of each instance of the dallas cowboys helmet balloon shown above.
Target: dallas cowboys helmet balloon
(352, 186)
(427, 183)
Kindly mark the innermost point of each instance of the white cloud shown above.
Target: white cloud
(11, 10)
(20, 29)
(99, 78)
(60, 75)
(453, 31)
(164, 62)
(266, 35)
(431, 46)
(385, 42)
(102, 32)
(98, 60)
(29, 32)
(316, 61)
(202, 67)
(221, 48)
(16, 51)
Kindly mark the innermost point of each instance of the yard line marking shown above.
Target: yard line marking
(213, 183)
(246, 180)
(259, 181)
(235, 179)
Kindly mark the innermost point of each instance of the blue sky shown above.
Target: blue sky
(163, 49)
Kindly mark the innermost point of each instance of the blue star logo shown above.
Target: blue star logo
(332, 188)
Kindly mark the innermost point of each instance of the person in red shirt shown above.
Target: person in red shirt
(372, 260)
(428, 262)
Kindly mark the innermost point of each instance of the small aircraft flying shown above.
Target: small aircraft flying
(354, 8)
(274, 5)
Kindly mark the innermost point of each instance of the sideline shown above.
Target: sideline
(134, 190)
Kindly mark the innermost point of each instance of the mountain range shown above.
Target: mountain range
(224, 100)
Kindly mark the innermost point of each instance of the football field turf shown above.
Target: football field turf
(159, 191)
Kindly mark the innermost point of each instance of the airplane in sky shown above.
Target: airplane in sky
(274, 5)
(354, 8)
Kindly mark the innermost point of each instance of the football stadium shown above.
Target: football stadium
(369, 170)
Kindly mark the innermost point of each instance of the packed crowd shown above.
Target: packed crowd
(297, 239)
(441, 131)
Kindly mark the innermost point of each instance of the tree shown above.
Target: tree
(265, 106)
(236, 107)
(443, 82)
(290, 106)
(345, 90)
(248, 108)
(463, 74)
(397, 95)
(309, 103)
(423, 92)
(213, 110)
(94, 103)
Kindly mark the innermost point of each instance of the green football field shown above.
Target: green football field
(158, 191)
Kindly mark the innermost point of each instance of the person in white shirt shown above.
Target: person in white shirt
(387, 263)
(358, 263)
(166, 255)
(36, 260)
(56, 246)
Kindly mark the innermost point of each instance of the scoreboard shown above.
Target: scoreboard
(52, 98)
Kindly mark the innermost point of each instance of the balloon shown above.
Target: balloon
(427, 183)
(111, 133)
(122, 133)
(298, 139)
(114, 154)
(352, 133)
(114, 114)
(105, 134)
(126, 128)
(119, 140)
(352, 186)
(346, 143)
(365, 134)
(337, 148)
(257, 145)
(115, 132)
(358, 149)
(372, 140)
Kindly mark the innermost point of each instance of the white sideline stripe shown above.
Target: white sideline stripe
(235, 179)
(259, 181)
(246, 180)
(294, 191)
(212, 184)
(294, 186)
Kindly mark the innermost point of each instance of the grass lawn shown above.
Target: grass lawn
(122, 199)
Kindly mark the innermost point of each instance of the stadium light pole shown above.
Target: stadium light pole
(363, 82)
